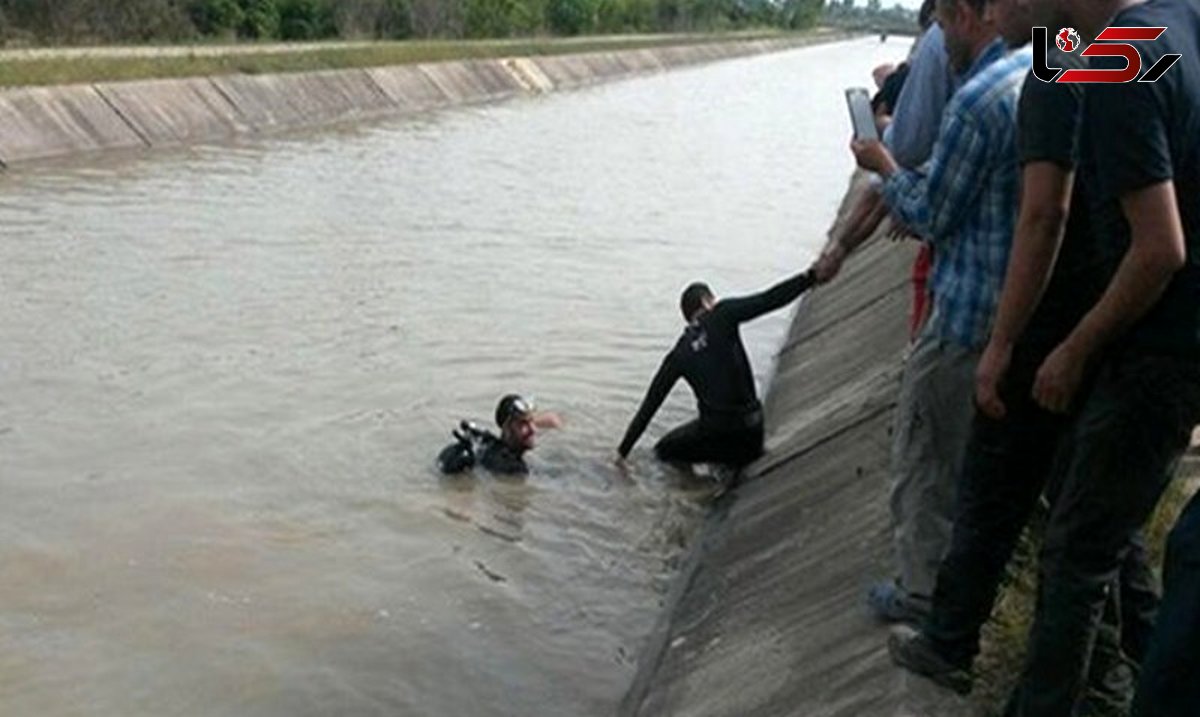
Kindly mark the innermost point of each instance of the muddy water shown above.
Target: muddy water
(225, 371)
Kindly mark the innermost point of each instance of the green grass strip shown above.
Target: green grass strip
(107, 66)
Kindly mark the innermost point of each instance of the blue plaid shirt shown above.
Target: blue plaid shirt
(964, 200)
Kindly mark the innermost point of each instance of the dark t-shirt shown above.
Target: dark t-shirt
(1049, 123)
(1143, 133)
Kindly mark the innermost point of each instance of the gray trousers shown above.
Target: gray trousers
(932, 423)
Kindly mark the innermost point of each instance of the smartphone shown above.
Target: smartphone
(861, 116)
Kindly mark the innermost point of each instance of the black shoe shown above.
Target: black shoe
(912, 651)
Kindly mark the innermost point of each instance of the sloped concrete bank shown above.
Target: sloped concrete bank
(42, 122)
(768, 617)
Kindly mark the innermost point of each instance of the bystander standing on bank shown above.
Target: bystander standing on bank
(965, 202)
(1054, 276)
(1143, 143)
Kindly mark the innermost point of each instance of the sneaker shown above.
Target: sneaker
(891, 603)
(913, 651)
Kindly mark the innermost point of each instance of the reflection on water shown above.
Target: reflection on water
(225, 373)
(492, 505)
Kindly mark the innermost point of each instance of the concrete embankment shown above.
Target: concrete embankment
(42, 122)
(768, 618)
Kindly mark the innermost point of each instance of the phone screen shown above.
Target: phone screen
(861, 115)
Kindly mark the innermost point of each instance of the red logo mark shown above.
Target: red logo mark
(1067, 39)
(1113, 42)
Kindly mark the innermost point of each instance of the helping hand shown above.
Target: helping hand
(828, 264)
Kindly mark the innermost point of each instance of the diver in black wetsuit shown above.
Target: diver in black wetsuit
(503, 454)
(710, 357)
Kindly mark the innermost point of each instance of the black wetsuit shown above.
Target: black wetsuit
(711, 358)
(483, 448)
(499, 457)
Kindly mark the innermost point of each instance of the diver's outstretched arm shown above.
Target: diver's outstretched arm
(746, 308)
(660, 387)
(548, 420)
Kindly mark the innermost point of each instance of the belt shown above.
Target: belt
(750, 418)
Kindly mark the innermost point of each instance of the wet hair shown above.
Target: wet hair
(692, 299)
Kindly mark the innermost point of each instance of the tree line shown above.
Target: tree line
(870, 16)
(136, 21)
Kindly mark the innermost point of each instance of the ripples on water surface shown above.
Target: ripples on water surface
(224, 373)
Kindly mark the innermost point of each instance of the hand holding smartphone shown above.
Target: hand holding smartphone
(861, 116)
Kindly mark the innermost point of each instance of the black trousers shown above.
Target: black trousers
(1130, 433)
(1170, 683)
(1009, 463)
(699, 441)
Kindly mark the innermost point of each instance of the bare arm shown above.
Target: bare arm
(864, 219)
(547, 420)
(1045, 203)
(860, 223)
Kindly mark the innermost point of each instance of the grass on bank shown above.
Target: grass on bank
(104, 68)
(1003, 648)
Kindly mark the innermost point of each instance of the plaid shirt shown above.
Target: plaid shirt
(964, 200)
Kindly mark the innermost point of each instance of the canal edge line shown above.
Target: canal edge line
(38, 123)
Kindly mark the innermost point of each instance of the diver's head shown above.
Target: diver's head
(695, 300)
(514, 416)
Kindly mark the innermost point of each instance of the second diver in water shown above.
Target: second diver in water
(503, 454)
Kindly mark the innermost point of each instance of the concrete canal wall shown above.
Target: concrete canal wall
(43, 122)
(768, 618)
